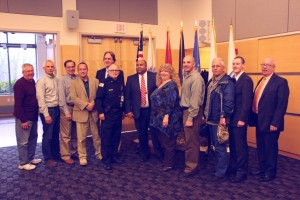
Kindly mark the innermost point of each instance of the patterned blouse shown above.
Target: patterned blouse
(165, 100)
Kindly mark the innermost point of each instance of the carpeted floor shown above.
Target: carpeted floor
(136, 180)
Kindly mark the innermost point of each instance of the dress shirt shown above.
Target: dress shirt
(238, 76)
(263, 87)
(47, 93)
(147, 95)
(64, 92)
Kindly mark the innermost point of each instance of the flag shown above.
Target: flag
(168, 58)
(231, 51)
(139, 53)
(151, 56)
(213, 50)
(196, 51)
(181, 56)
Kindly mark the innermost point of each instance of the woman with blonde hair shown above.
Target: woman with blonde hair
(166, 113)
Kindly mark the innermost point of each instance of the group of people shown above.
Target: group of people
(72, 105)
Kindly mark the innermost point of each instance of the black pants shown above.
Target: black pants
(111, 129)
(267, 151)
(238, 150)
(142, 125)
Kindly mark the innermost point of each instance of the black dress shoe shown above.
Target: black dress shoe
(266, 178)
(165, 169)
(256, 173)
(239, 179)
(107, 166)
(231, 175)
(145, 158)
(117, 160)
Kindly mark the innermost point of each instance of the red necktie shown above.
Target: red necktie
(143, 91)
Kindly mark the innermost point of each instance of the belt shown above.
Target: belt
(184, 108)
(70, 104)
(52, 107)
(144, 107)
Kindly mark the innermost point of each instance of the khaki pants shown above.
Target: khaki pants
(82, 132)
(68, 136)
(192, 141)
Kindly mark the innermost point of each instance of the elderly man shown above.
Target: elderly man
(47, 96)
(192, 96)
(269, 106)
(68, 135)
(26, 113)
(218, 109)
(83, 93)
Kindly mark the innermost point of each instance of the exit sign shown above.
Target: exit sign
(120, 28)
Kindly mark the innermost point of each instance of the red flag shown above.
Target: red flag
(168, 50)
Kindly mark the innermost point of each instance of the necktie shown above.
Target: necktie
(257, 95)
(143, 91)
(73, 76)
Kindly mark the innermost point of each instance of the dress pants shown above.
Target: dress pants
(267, 151)
(220, 152)
(142, 125)
(238, 150)
(26, 141)
(111, 129)
(192, 141)
(50, 141)
(82, 132)
(168, 144)
(68, 136)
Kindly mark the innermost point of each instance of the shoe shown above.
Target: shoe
(99, 157)
(256, 173)
(166, 169)
(36, 161)
(82, 161)
(239, 179)
(145, 158)
(266, 178)
(117, 160)
(27, 166)
(69, 161)
(51, 163)
(75, 156)
(230, 175)
(191, 173)
(107, 166)
(215, 178)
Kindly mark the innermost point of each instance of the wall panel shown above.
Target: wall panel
(68, 52)
(294, 15)
(4, 6)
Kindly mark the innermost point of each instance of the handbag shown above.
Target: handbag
(222, 134)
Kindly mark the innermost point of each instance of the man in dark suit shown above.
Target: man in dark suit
(238, 166)
(108, 58)
(269, 106)
(137, 104)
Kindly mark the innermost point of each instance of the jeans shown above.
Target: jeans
(26, 141)
(220, 152)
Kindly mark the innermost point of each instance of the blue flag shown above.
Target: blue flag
(196, 52)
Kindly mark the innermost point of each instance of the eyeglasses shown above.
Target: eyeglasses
(215, 66)
(266, 65)
(114, 70)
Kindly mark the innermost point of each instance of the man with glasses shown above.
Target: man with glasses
(47, 96)
(68, 134)
(269, 106)
(26, 113)
(110, 103)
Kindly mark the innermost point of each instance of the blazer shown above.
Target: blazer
(272, 105)
(243, 100)
(100, 75)
(80, 99)
(133, 93)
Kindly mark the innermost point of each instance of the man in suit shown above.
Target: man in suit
(238, 166)
(137, 104)
(269, 106)
(83, 93)
(108, 58)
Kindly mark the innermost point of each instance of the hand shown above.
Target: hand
(101, 116)
(273, 128)
(222, 121)
(129, 115)
(165, 121)
(240, 124)
(48, 120)
(90, 106)
(188, 124)
(68, 116)
(25, 125)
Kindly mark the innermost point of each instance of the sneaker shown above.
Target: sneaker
(82, 161)
(36, 161)
(51, 163)
(27, 166)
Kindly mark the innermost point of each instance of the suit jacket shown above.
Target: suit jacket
(243, 100)
(80, 99)
(133, 92)
(100, 75)
(272, 104)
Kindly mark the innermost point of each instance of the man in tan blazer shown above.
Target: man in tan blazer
(83, 92)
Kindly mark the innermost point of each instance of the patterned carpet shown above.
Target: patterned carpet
(136, 180)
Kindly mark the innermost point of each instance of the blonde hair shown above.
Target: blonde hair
(168, 68)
